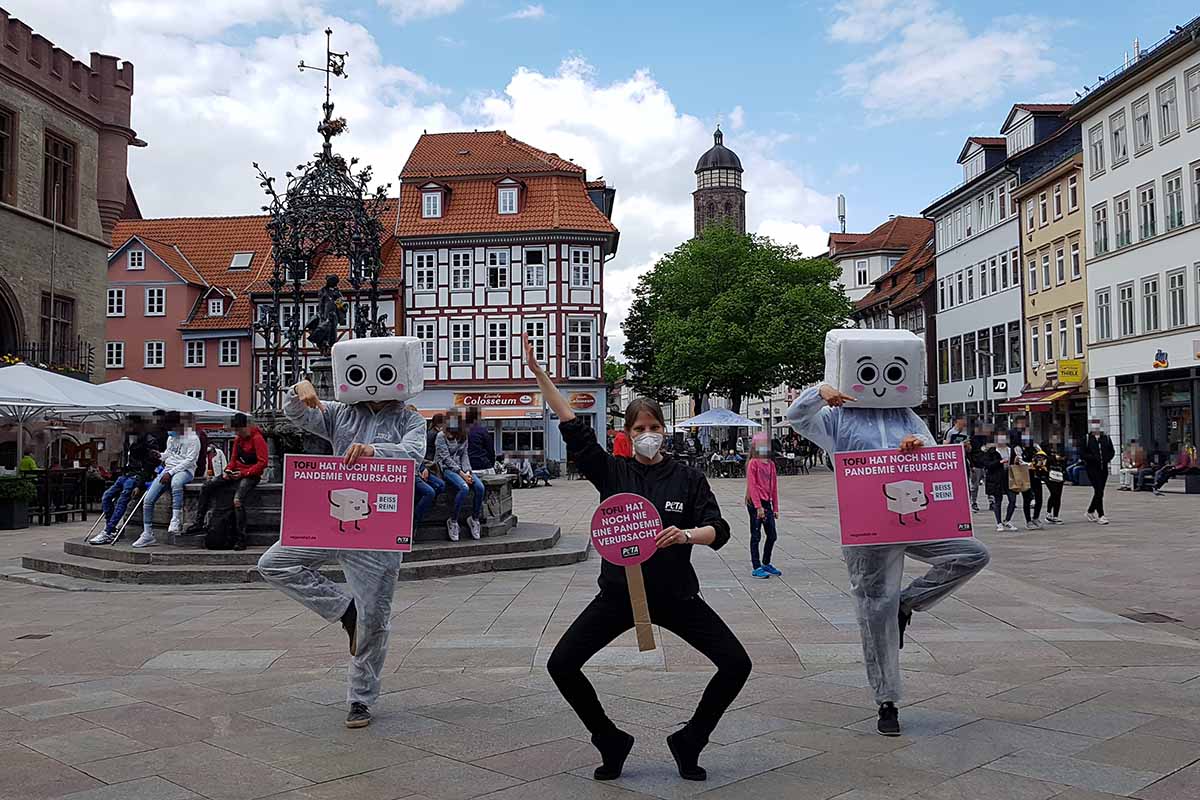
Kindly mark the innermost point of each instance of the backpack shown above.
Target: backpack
(222, 531)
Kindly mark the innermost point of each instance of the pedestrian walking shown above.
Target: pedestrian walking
(885, 371)
(691, 516)
(997, 459)
(1033, 456)
(978, 440)
(357, 426)
(1055, 478)
(1097, 455)
(762, 501)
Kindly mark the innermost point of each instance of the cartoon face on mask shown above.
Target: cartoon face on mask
(881, 368)
(377, 369)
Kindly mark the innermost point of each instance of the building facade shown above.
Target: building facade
(980, 357)
(719, 197)
(1053, 254)
(500, 239)
(865, 258)
(64, 134)
(1141, 165)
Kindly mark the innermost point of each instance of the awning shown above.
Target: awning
(491, 413)
(1035, 401)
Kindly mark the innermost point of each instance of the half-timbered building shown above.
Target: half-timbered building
(500, 238)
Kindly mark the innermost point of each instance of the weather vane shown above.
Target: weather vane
(335, 64)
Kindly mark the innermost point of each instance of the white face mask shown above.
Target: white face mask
(647, 445)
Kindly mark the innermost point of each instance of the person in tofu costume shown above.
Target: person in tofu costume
(372, 379)
(873, 378)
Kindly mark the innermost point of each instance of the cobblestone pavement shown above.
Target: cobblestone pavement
(1027, 685)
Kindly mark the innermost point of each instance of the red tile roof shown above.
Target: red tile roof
(1043, 108)
(596, 184)
(898, 233)
(988, 141)
(442, 155)
(921, 254)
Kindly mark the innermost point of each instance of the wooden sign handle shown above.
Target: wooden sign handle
(641, 610)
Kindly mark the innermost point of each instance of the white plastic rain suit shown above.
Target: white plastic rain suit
(394, 432)
(877, 571)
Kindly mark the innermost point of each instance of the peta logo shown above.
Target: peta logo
(675, 506)
(633, 551)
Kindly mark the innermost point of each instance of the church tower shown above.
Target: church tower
(719, 196)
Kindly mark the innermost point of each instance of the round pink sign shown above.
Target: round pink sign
(624, 529)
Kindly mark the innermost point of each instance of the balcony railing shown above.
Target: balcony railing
(1183, 32)
(76, 357)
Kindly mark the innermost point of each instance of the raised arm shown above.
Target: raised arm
(558, 404)
(815, 418)
(303, 408)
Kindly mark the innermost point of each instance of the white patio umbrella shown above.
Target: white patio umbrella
(28, 392)
(155, 397)
(719, 418)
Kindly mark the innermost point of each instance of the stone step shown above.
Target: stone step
(567, 550)
(523, 539)
(265, 537)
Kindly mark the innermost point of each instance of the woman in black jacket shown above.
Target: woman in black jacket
(690, 517)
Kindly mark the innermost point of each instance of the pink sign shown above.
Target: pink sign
(328, 505)
(624, 529)
(889, 497)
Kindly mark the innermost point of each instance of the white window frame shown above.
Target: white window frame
(426, 331)
(431, 204)
(499, 341)
(576, 365)
(1060, 266)
(216, 306)
(1076, 262)
(1035, 347)
(1119, 134)
(498, 265)
(1033, 276)
(1104, 327)
(228, 398)
(536, 275)
(1147, 211)
(581, 268)
(1123, 220)
(157, 346)
(1151, 305)
(1100, 229)
(114, 355)
(135, 260)
(506, 200)
(1126, 310)
(191, 347)
(223, 351)
(1096, 149)
(1043, 210)
(425, 271)
(462, 341)
(1191, 91)
(240, 261)
(1030, 218)
(462, 269)
(115, 302)
(1173, 200)
(1078, 328)
(159, 303)
(1166, 99)
(1177, 297)
(1058, 207)
(1048, 346)
(195, 394)
(1014, 263)
(1143, 125)
(861, 271)
(1194, 169)
(1064, 338)
(1072, 194)
(535, 328)
(1046, 284)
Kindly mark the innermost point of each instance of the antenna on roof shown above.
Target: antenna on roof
(841, 211)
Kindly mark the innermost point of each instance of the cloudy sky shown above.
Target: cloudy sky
(871, 98)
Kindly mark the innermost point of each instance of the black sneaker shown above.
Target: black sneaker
(350, 624)
(614, 749)
(889, 720)
(686, 752)
(905, 618)
(359, 716)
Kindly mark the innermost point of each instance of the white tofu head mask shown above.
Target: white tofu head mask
(377, 369)
(882, 368)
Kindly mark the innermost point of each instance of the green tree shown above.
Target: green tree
(732, 314)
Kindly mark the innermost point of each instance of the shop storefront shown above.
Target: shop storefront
(1159, 409)
(522, 427)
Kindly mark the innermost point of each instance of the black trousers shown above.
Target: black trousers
(691, 619)
(1032, 496)
(1098, 477)
(1054, 504)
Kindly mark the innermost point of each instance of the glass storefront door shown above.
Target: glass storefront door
(1172, 424)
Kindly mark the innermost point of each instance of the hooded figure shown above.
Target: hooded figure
(372, 379)
(873, 378)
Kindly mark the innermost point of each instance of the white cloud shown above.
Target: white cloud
(209, 107)
(737, 118)
(531, 11)
(408, 10)
(926, 62)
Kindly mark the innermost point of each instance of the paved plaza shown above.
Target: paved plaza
(1028, 685)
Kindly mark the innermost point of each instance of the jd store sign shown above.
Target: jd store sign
(999, 387)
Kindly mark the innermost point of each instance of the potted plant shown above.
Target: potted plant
(15, 496)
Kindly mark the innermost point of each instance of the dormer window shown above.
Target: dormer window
(431, 204)
(241, 260)
(137, 259)
(507, 200)
(216, 307)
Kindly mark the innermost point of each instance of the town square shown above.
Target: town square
(418, 399)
